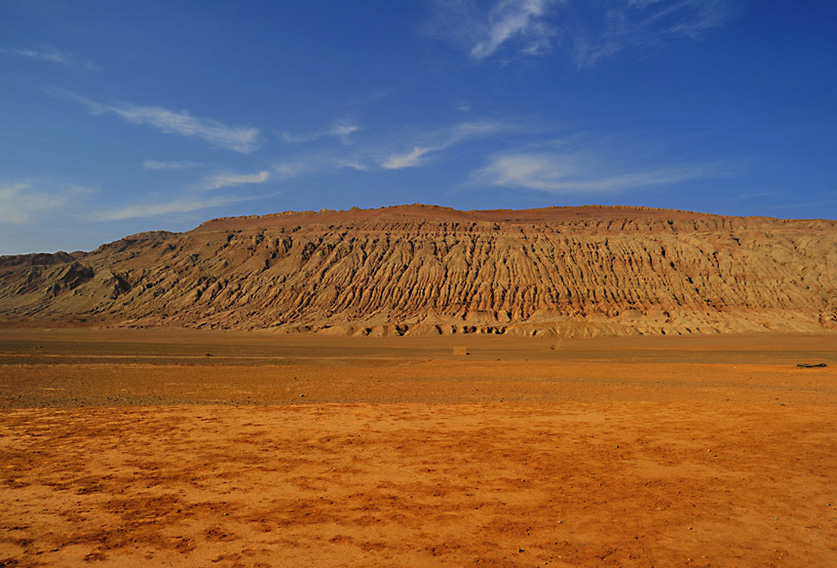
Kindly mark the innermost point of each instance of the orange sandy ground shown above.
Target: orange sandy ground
(129, 448)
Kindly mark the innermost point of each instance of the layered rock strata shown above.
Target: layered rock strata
(431, 270)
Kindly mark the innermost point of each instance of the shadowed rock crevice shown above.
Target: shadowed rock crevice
(430, 270)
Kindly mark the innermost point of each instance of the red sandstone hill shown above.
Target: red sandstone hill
(417, 269)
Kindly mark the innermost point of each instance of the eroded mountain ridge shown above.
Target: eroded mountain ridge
(430, 270)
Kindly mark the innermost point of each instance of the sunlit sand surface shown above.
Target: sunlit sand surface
(173, 448)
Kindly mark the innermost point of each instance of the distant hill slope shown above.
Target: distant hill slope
(424, 270)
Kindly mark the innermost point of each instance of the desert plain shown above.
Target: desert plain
(167, 447)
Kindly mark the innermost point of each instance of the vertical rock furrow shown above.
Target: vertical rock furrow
(644, 271)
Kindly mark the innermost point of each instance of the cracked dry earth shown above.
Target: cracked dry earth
(726, 458)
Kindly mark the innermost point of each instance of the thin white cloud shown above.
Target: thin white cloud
(511, 19)
(20, 203)
(483, 31)
(182, 205)
(237, 138)
(421, 146)
(229, 180)
(295, 168)
(585, 29)
(642, 24)
(163, 165)
(341, 130)
(192, 199)
(320, 163)
(692, 18)
(352, 164)
(50, 54)
(438, 141)
(371, 97)
(579, 174)
(156, 209)
(410, 159)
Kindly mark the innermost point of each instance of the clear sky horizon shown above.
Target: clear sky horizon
(122, 117)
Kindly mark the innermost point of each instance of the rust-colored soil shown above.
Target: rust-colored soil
(174, 448)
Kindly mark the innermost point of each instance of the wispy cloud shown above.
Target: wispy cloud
(183, 205)
(642, 24)
(20, 202)
(298, 166)
(422, 145)
(409, 159)
(585, 29)
(437, 141)
(237, 138)
(417, 149)
(582, 174)
(228, 180)
(162, 165)
(511, 19)
(341, 130)
(371, 97)
(193, 198)
(483, 31)
(319, 163)
(48, 54)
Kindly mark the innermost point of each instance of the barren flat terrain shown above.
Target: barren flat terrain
(187, 448)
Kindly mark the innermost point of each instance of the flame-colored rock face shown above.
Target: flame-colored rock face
(431, 270)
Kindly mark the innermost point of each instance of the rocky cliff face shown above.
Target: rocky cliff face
(430, 270)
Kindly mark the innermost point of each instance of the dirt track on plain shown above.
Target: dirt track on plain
(196, 449)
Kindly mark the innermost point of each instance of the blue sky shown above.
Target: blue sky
(120, 117)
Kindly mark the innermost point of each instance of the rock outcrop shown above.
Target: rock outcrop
(431, 270)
